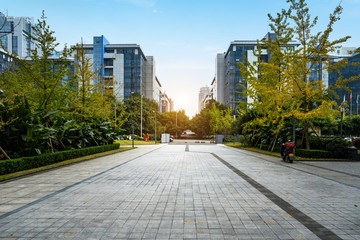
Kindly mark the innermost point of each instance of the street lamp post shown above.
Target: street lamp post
(115, 112)
(132, 136)
(341, 122)
(141, 116)
(141, 113)
(176, 125)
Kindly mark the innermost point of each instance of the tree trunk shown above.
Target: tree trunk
(277, 134)
(306, 132)
(3, 152)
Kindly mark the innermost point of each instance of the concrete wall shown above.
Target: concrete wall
(220, 77)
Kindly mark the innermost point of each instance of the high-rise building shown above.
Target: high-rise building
(124, 69)
(227, 71)
(14, 32)
(352, 98)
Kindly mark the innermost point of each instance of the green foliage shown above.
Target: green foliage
(351, 126)
(174, 122)
(89, 98)
(229, 139)
(215, 118)
(328, 125)
(268, 147)
(313, 153)
(337, 146)
(20, 164)
(39, 132)
(283, 87)
(132, 106)
(51, 105)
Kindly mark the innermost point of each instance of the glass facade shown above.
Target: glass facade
(4, 41)
(15, 45)
(133, 68)
(348, 72)
(98, 56)
(232, 89)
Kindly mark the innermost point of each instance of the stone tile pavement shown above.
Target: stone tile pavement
(170, 193)
(16, 194)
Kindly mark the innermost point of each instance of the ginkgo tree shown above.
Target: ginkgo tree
(283, 87)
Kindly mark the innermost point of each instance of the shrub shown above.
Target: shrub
(313, 153)
(337, 146)
(230, 139)
(268, 147)
(25, 163)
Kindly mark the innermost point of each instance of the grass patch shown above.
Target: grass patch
(277, 154)
(136, 142)
(63, 163)
(253, 149)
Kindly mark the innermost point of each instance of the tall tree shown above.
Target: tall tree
(48, 74)
(285, 87)
(89, 99)
(133, 114)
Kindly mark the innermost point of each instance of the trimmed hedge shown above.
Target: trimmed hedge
(25, 163)
(267, 147)
(337, 146)
(313, 153)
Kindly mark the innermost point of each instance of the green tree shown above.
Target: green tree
(48, 76)
(174, 122)
(283, 87)
(89, 98)
(132, 107)
(215, 118)
(220, 120)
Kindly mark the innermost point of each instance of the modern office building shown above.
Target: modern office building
(347, 72)
(166, 103)
(6, 61)
(228, 77)
(14, 32)
(204, 91)
(124, 69)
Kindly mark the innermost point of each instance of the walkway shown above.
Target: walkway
(185, 191)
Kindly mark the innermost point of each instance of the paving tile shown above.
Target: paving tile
(172, 194)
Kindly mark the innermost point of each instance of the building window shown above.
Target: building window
(108, 62)
(15, 45)
(4, 41)
(109, 71)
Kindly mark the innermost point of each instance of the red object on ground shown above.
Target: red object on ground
(148, 137)
(290, 145)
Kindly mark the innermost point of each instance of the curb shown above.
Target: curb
(298, 158)
(5, 180)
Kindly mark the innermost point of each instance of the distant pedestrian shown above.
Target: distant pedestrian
(148, 137)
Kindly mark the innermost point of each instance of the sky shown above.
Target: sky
(184, 36)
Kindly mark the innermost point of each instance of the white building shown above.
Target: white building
(14, 34)
(204, 91)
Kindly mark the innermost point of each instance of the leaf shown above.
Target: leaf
(51, 113)
(38, 151)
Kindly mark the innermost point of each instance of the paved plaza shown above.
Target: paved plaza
(185, 191)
